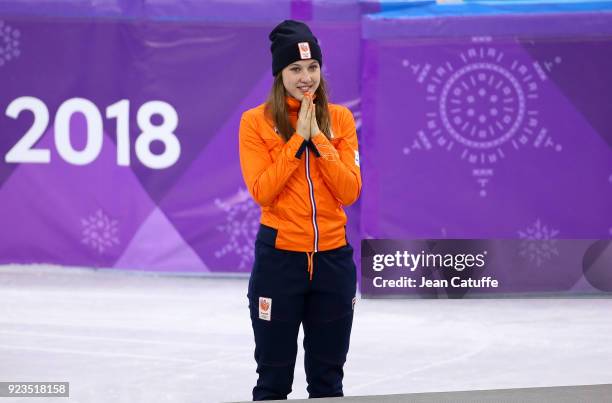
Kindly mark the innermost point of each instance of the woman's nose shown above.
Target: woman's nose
(305, 78)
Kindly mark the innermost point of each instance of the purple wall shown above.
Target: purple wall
(466, 134)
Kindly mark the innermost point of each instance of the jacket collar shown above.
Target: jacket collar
(293, 105)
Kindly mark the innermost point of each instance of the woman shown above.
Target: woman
(300, 162)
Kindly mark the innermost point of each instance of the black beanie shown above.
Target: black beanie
(292, 41)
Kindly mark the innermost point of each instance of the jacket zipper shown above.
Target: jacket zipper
(312, 201)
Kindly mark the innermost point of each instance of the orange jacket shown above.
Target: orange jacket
(301, 194)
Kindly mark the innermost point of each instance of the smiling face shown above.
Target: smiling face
(300, 77)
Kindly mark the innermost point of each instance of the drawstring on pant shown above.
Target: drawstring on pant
(310, 268)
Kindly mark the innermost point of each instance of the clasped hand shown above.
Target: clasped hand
(307, 118)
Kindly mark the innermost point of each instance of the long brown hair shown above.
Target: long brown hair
(276, 108)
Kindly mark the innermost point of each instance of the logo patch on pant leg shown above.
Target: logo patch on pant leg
(354, 302)
(265, 308)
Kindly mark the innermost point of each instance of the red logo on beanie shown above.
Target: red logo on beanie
(304, 50)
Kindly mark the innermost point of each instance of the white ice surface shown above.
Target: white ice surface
(133, 337)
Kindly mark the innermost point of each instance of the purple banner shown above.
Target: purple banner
(120, 139)
(487, 138)
(120, 132)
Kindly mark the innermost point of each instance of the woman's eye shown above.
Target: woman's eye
(313, 68)
(295, 69)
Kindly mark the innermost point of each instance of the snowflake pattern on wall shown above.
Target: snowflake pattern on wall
(483, 104)
(99, 231)
(9, 43)
(242, 216)
(538, 244)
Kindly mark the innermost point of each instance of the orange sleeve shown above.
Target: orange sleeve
(265, 178)
(340, 163)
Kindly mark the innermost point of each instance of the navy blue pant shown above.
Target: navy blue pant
(280, 286)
